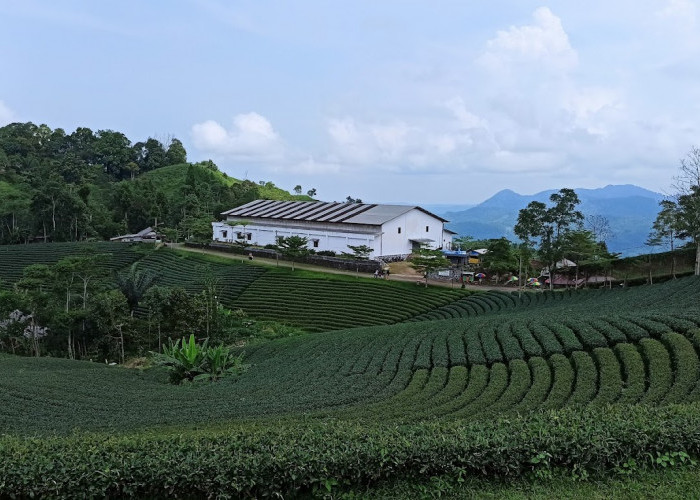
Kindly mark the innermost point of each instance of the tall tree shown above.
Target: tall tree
(688, 201)
(176, 153)
(113, 151)
(427, 260)
(665, 229)
(155, 155)
(501, 257)
(547, 226)
(599, 226)
(134, 283)
(293, 247)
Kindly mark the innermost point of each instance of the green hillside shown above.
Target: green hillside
(567, 355)
(14, 258)
(87, 185)
(172, 178)
(314, 301)
(588, 383)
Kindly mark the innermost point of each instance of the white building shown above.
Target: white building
(389, 230)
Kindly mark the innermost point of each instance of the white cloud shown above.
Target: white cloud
(363, 143)
(684, 11)
(678, 24)
(594, 109)
(466, 119)
(251, 138)
(311, 166)
(6, 114)
(544, 43)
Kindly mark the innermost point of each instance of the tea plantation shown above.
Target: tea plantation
(584, 384)
(314, 301)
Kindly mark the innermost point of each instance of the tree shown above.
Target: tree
(665, 229)
(599, 226)
(469, 243)
(156, 300)
(35, 288)
(134, 284)
(155, 156)
(297, 189)
(176, 153)
(113, 151)
(547, 226)
(211, 285)
(350, 199)
(311, 192)
(501, 257)
(361, 252)
(293, 247)
(109, 315)
(688, 201)
(427, 261)
(197, 228)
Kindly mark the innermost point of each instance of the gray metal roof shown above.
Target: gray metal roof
(318, 211)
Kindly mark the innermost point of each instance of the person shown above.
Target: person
(376, 273)
(250, 256)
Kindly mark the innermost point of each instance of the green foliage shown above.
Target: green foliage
(548, 226)
(189, 361)
(427, 261)
(501, 257)
(293, 459)
(134, 283)
(293, 247)
(89, 185)
(360, 252)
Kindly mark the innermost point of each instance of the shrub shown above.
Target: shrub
(189, 361)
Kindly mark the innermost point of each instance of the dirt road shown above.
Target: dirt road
(400, 271)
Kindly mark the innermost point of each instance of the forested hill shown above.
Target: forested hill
(56, 186)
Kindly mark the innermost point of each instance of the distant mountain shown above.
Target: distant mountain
(437, 208)
(630, 210)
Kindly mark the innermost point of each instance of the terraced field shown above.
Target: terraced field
(588, 380)
(177, 269)
(14, 258)
(330, 304)
(645, 350)
(314, 302)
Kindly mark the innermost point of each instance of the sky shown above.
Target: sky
(388, 101)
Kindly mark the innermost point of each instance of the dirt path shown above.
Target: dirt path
(400, 271)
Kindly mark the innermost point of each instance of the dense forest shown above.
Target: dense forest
(87, 185)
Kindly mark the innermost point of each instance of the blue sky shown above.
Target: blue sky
(389, 101)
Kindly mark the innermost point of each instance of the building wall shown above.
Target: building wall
(319, 238)
(384, 241)
(413, 227)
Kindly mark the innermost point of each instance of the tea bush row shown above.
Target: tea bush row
(290, 459)
(15, 258)
(326, 304)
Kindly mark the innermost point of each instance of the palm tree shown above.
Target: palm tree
(134, 284)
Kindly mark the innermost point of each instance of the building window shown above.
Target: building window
(224, 234)
(399, 230)
(240, 236)
(315, 243)
(427, 228)
(249, 236)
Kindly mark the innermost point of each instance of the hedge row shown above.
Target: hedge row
(291, 459)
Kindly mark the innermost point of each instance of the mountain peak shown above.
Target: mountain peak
(630, 209)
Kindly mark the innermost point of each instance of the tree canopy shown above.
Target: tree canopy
(58, 186)
(547, 227)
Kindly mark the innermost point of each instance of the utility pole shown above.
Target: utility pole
(520, 274)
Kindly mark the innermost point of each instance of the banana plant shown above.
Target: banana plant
(189, 361)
